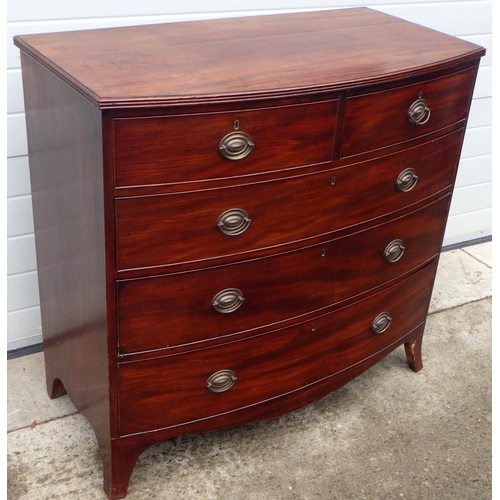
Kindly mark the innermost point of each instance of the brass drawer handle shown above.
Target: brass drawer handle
(381, 323)
(233, 222)
(221, 381)
(394, 251)
(407, 180)
(236, 146)
(419, 113)
(228, 300)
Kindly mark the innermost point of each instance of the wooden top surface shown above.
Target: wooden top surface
(243, 57)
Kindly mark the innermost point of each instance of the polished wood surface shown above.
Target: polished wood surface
(183, 148)
(374, 120)
(68, 203)
(128, 182)
(153, 230)
(177, 308)
(221, 59)
(269, 365)
(128, 448)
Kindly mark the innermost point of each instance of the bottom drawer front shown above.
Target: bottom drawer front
(173, 390)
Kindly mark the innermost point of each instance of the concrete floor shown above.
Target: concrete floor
(388, 434)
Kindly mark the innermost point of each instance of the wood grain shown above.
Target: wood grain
(266, 55)
(66, 172)
(185, 148)
(176, 309)
(376, 120)
(123, 130)
(168, 229)
(267, 366)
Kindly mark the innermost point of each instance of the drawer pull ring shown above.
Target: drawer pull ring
(233, 222)
(236, 146)
(394, 251)
(381, 323)
(228, 300)
(407, 180)
(419, 113)
(221, 381)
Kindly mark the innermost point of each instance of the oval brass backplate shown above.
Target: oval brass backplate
(228, 300)
(221, 381)
(236, 146)
(233, 222)
(381, 323)
(394, 251)
(407, 180)
(419, 113)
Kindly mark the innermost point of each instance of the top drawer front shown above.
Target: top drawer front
(184, 148)
(381, 118)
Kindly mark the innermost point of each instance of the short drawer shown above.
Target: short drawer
(382, 118)
(167, 229)
(187, 307)
(184, 148)
(170, 391)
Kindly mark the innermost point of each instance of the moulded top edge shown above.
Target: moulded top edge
(244, 58)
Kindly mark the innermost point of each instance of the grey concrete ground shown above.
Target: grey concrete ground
(389, 434)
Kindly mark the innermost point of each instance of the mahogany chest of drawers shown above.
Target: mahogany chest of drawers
(234, 218)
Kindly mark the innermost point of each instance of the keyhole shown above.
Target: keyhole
(236, 124)
(313, 328)
(323, 252)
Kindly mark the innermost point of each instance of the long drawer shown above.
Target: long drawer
(182, 308)
(382, 118)
(168, 229)
(183, 148)
(169, 391)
